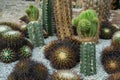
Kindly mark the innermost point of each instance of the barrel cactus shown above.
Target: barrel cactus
(32, 12)
(116, 39)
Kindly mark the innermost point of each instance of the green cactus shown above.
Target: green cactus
(87, 24)
(116, 39)
(48, 18)
(35, 33)
(33, 13)
(88, 58)
(7, 55)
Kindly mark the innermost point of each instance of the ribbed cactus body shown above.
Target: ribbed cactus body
(63, 18)
(48, 18)
(88, 58)
(35, 33)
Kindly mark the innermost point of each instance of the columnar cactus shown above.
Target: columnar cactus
(35, 33)
(33, 13)
(88, 58)
(48, 18)
(63, 16)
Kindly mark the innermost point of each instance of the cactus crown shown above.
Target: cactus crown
(87, 23)
(32, 12)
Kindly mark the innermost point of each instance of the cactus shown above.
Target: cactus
(48, 18)
(63, 16)
(33, 13)
(87, 24)
(116, 39)
(35, 33)
(88, 58)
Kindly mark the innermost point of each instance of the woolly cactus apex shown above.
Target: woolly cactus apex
(32, 12)
(116, 39)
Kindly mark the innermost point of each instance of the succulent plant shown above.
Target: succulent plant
(115, 76)
(7, 55)
(32, 12)
(28, 42)
(4, 28)
(87, 24)
(12, 39)
(27, 69)
(35, 33)
(110, 59)
(65, 75)
(88, 58)
(63, 18)
(116, 39)
(25, 52)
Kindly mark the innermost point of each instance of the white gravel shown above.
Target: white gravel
(6, 69)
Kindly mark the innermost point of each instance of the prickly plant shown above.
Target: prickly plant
(33, 13)
(35, 33)
(88, 58)
(63, 16)
(116, 39)
(48, 18)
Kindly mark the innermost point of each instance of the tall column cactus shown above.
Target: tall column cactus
(48, 18)
(35, 33)
(88, 58)
(63, 16)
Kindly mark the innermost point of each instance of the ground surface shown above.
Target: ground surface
(38, 55)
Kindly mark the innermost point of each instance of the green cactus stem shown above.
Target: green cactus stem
(88, 58)
(35, 33)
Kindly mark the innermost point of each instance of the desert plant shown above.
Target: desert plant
(32, 12)
(35, 33)
(116, 39)
(62, 13)
(88, 58)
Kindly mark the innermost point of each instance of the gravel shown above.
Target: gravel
(6, 69)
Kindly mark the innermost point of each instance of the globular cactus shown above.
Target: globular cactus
(63, 17)
(115, 76)
(3, 29)
(7, 55)
(87, 24)
(116, 39)
(33, 13)
(48, 17)
(35, 33)
(65, 75)
(88, 58)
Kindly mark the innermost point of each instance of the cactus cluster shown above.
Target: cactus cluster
(33, 13)
(88, 58)
(65, 75)
(63, 54)
(63, 17)
(29, 70)
(13, 45)
(48, 17)
(35, 33)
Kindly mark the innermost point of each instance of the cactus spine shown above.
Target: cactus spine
(88, 58)
(33, 13)
(62, 13)
(36, 33)
(48, 18)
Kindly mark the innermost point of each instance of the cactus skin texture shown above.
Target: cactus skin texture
(7, 55)
(48, 18)
(88, 23)
(63, 18)
(65, 75)
(88, 58)
(35, 33)
(33, 13)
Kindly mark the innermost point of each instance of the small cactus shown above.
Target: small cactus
(33, 13)
(116, 39)
(88, 58)
(35, 33)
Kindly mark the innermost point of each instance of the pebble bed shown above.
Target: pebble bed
(6, 69)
